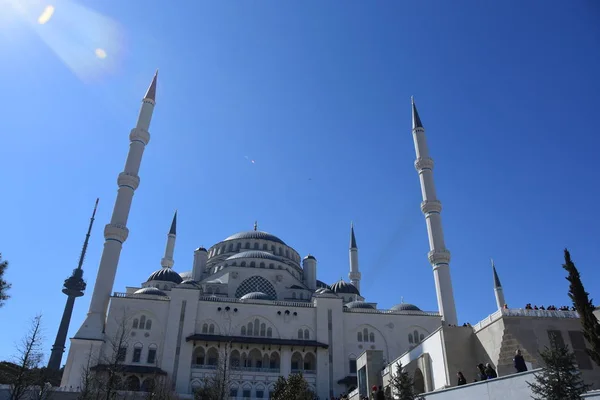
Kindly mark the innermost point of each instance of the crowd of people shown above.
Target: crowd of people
(528, 306)
(486, 372)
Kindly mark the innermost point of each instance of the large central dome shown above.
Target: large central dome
(256, 235)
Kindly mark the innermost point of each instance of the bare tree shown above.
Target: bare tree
(29, 356)
(216, 387)
(4, 285)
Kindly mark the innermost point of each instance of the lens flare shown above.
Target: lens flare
(46, 15)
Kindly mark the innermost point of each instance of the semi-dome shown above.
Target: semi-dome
(186, 275)
(255, 254)
(359, 304)
(165, 275)
(150, 291)
(189, 282)
(344, 287)
(405, 307)
(324, 292)
(256, 296)
(256, 235)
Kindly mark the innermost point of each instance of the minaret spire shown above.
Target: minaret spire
(354, 274)
(498, 292)
(74, 287)
(116, 232)
(167, 261)
(439, 256)
(255, 225)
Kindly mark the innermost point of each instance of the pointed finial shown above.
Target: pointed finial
(173, 230)
(151, 92)
(497, 283)
(401, 299)
(352, 237)
(415, 115)
(255, 225)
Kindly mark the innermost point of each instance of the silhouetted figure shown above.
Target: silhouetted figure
(481, 375)
(380, 394)
(519, 362)
(490, 371)
(461, 379)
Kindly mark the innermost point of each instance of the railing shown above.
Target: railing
(140, 296)
(203, 366)
(257, 369)
(521, 312)
(399, 312)
(262, 302)
(303, 371)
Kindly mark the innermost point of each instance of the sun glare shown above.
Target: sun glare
(100, 53)
(46, 15)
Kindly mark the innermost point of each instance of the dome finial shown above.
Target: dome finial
(401, 299)
(255, 225)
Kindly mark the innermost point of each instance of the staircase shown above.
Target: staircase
(508, 348)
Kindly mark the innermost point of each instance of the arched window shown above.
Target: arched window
(416, 335)
(230, 247)
(256, 326)
(243, 263)
(410, 338)
(421, 337)
(142, 321)
(269, 332)
(247, 245)
(262, 265)
(271, 266)
(255, 246)
(300, 334)
(135, 323)
(211, 329)
(239, 246)
(205, 328)
(280, 251)
(250, 329)
(306, 334)
(359, 336)
(265, 247)
(273, 249)
(132, 383)
(263, 329)
(371, 337)
(365, 335)
(243, 331)
(293, 295)
(252, 264)
(255, 283)
(148, 324)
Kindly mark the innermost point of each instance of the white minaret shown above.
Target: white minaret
(116, 232)
(167, 261)
(439, 256)
(200, 258)
(353, 275)
(500, 302)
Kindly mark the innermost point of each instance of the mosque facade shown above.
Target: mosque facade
(250, 306)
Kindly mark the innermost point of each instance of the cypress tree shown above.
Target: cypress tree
(585, 309)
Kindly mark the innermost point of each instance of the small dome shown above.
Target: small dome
(310, 257)
(405, 307)
(255, 254)
(359, 304)
(256, 235)
(189, 282)
(150, 291)
(344, 287)
(165, 275)
(256, 296)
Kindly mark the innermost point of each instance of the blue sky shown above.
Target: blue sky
(318, 94)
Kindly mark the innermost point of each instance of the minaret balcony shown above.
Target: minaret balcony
(423, 163)
(439, 257)
(139, 134)
(116, 232)
(129, 180)
(431, 206)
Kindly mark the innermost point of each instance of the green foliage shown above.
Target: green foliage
(585, 309)
(4, 286)
(294, 387)
(402, 385)
(560, 379)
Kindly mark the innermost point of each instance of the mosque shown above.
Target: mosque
(251, 305)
